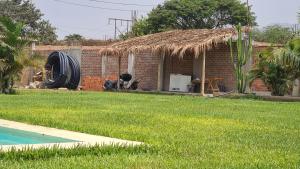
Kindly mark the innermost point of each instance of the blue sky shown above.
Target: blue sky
(93, 22)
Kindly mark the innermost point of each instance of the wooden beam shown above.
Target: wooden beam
(203, 74)
(119, 72)
(160, 74)
(104, 63)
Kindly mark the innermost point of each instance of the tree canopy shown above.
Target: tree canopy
(194, 14)
(11, 46)
(74, 37)
(278, 67)
(25, 12)
(274, 34)
(13, 54)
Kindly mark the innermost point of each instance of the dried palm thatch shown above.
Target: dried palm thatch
(173, 43)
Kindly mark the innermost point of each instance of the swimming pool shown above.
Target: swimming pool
(21, 136)
(9, 136)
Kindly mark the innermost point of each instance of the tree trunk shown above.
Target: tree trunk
(296, 88)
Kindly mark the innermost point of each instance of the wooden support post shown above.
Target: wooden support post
(160, 74)
(119, 72)
(203, 74)
(104, 63)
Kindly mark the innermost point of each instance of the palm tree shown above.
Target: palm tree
(271, 72)
(11, 49)
(289, 57)
(279, 68)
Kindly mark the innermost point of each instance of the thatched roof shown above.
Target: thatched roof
(175, 43)
(57, 48)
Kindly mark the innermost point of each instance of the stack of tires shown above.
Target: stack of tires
(63, 71)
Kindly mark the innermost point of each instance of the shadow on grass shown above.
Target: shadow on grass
(45, 153)
(242, 96)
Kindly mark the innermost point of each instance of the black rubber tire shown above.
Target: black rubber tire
(75, 73)
(60, 65)
(66, 71)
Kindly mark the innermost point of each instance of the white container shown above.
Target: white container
(179, 83)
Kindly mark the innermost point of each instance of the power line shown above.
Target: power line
(80, 28)
(115, 20)
(90, 6)
(125, 4)
(127, 21)
(64, 30)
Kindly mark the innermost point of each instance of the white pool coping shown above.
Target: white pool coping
(82, 139)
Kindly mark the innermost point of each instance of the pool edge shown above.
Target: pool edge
(85, 140)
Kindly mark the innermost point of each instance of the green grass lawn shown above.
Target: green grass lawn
(182, 131)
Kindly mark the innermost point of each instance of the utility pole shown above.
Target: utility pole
(134, 14)
(116, 20)
(296, 29)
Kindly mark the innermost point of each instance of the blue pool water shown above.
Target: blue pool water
(10, 136)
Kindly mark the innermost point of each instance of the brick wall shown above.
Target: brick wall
(91, 63)
(146, 70)
(90, 59)
(145, 66)
(28, 73)
(92, 83)
(218, 64)
(112, 65)
(258, 85)
(176, 65)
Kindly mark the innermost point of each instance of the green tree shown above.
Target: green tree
(142, 27)
(74, 38)
(11, 48)
(45, 33)
(289, 57)
(274, 34)
(194, 14)
(271, 72)
(279, 68)
(13, 56)
(24, 11)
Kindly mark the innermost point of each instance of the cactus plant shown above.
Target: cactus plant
(240, 58)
